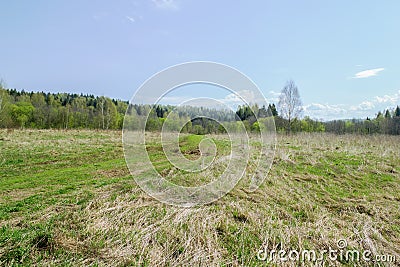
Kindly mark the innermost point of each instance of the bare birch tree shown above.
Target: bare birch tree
(290, 105)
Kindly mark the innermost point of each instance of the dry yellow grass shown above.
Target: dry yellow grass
(321, 188)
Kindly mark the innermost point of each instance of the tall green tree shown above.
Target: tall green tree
(4, 108)
(79, 116)
(397, 112)
(39, 114)
(272, 107)
(111, 116)
(22, 112)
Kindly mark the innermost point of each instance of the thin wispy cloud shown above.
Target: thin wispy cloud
(130, 18)
(100, 15)
(367, 73)
(166, 4)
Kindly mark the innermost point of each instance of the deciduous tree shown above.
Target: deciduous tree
(290, 105)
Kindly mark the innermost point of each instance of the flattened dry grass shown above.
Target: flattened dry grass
(67, 199)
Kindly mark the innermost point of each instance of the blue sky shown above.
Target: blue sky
(343, 55)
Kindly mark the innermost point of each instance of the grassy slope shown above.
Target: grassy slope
(67, 198)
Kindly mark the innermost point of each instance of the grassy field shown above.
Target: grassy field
(68, 199)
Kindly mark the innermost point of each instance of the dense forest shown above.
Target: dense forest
(20, 109)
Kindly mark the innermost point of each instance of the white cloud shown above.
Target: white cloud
(365, 105)
(390, 99)
(130, 18)
(324, 111)
(367, 108)
(273, 93)
(273, 97)
(337, 109)
(367, 73)
(234, 99)
(166, 4)
(321, 111)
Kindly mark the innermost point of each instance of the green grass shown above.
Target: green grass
(189, 146)
(67, 199)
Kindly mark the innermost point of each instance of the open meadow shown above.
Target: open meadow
(68, 199)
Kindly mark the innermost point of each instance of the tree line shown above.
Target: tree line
(20, 109)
